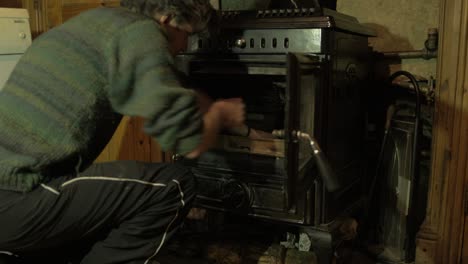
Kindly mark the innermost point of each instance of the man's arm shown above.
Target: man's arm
(221, 114)
(143, 83)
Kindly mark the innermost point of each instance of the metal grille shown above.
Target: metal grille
(262, 41)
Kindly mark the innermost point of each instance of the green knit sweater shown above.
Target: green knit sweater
(67, 94)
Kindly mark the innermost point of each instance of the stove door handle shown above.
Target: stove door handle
(327, 174)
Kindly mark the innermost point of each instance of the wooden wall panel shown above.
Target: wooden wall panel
(111, 3)
(38, 16)
(131, 143)
(441, 237)
(71, 8)
(54, 13)
(44, 14)
(116, 146)
(155, 152)
(11, 3)
(463, 170)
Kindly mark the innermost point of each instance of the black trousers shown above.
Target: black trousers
(118, 212)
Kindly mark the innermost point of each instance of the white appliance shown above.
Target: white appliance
(15, 38)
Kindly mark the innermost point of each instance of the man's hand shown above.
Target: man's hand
(232, 112)
(221, 114)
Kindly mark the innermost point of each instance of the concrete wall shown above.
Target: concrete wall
(400, 24)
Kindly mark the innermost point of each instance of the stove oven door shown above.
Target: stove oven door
(264, 177)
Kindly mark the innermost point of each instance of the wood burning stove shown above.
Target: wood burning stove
(297, 70)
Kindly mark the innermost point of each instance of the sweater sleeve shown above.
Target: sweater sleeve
(143, 82)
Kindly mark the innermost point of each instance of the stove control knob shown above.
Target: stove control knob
(236, 195)
(240, 43)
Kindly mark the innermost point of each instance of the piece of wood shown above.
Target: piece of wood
(440, 239)
(269, 147)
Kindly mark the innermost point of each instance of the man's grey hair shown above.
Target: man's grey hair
(197, 13)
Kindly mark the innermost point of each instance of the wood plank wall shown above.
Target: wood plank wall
(129, 142)
(71, 8)
(37, 13)
(443, 236)
(11, 3)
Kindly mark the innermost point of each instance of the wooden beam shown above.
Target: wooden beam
(38, 16)
(440, 238)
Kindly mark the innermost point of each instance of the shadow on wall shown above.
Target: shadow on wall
(384, 42)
